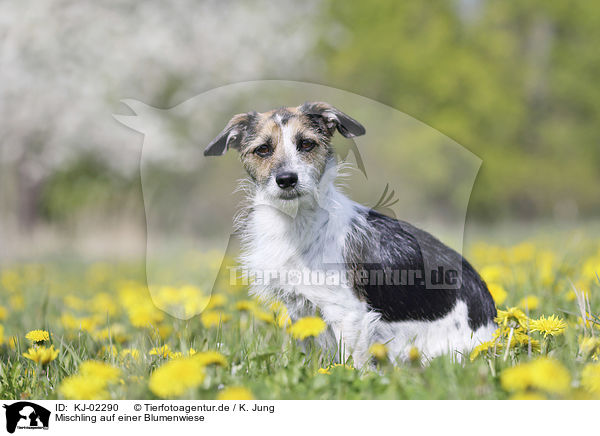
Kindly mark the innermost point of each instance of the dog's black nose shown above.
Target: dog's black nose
(286, 180)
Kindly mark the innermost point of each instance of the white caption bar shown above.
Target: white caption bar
(296, 417)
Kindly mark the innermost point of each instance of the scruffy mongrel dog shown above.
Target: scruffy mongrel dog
(405, 287)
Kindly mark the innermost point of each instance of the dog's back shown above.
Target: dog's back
(419, 284)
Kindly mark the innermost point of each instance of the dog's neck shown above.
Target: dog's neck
(309, 226)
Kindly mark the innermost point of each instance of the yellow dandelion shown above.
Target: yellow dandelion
(108, 350)
(512, 317)
(164, 352)
(162, 331)
(551, 326)
(216, 300)
(212, 318)
(531, 396)
(590, 378)
(41, 355)
(74, 302)
(544, 374)
(176, 377)
(281, 314)
(99, 370)
(235, 393)
(193, 307)
(104, 304)
(17, 302)
(414, 355)
(523, 252)
(3, 313)
(518, 339)
(264, 316)
(114, 333)
(144, 314)
(87, 324)
(586, 321)
(523, 340)
(307, 327)
(494, 273)
(10, 280)
(550, 376)
(531, 302)
(245, 305)
(498, 292)
(488, 347)
(571, 296)
(591, 267)
(589, 347)
(379, 351)
(38, 336)
(501, 333)
(136, 378)
(132, 353)
(210, 358)
(277, 306)
(517, 378)
(335, 367)
(79, 387)
(283, 320)
(166, 296)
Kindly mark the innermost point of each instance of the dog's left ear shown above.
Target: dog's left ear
(231, 136)
(334, 119)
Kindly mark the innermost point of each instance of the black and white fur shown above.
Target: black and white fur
(298, 220)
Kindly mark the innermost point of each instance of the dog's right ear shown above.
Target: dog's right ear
(231, 136)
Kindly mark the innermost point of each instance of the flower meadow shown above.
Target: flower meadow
(71, 329)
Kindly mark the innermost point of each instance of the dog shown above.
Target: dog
(402, 287)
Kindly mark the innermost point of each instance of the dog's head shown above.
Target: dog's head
(286, 151)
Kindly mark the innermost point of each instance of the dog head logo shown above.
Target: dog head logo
(26, 415)
(429, 183)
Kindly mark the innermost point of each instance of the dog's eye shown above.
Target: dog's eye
(307, 144)
(263, 150)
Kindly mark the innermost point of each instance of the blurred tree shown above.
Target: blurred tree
(514, 82)
(65, 65)
(84, 183)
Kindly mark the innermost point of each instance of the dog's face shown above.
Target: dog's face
(285, 151)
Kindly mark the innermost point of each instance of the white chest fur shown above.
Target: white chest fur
(296, 238)
(306, 241)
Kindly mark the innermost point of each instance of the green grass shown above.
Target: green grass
(262, 356)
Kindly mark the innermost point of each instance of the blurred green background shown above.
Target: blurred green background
(513, 82)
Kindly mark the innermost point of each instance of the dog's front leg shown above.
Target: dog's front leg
(354, 333)
(351, 323)
(300, 307)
